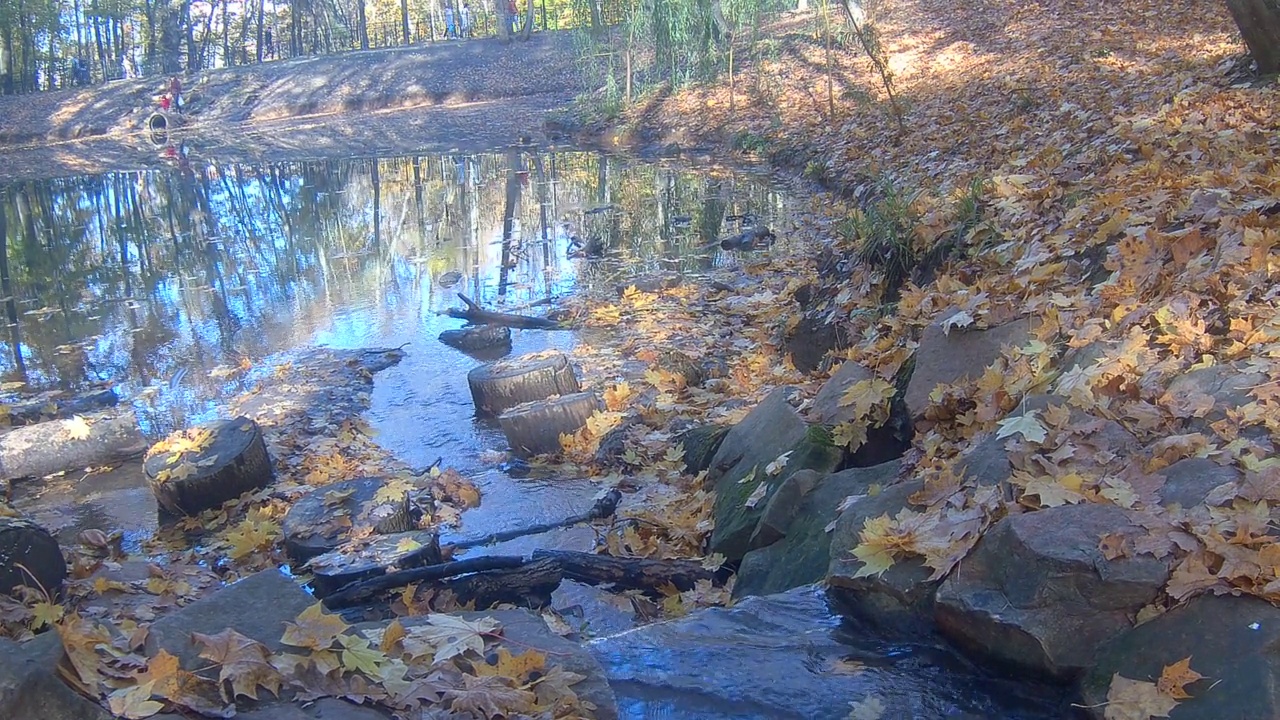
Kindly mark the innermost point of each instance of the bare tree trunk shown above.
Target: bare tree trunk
(404, 20)
(528, 19)
(504, 20)
(1259, 22)
(362, 25)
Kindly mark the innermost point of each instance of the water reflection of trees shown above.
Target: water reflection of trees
(157, 278)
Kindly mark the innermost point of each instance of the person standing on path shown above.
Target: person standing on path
(450, 30)
(175, 92)
(466, 20)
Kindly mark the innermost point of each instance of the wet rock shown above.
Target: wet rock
(1233, 641)
(797, 519)
(309, 528)
(614, 443)
(680, 365)
(899, 599)
(29, 556)
(826, 408)
(768, 431)
(780, 657)
(1228, 385)
(1037, 593)
(811, 340)
(523, 630)
(700, 446)
(1188, 482)
(946, 357)
(257, 606)
(30, 688)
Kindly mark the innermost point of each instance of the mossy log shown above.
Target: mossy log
(29, 556)
(72, 444)
(535, 427)
(201, 468)
(497, 387)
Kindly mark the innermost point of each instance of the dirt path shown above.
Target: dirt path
(455, 95)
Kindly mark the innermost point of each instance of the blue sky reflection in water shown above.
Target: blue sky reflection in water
(163, 283)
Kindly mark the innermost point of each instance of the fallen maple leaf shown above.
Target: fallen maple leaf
(315, 629)
(246, 664)
(516, 667)
(448, 636)
(1025, 425)
(357, 655)
(1175, 678)
(490, 696)
(78, 428)
(871, 708)
(134, 702)
(1136, 700)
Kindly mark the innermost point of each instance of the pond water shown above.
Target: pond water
(166, 283)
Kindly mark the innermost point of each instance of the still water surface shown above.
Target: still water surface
(166, 283)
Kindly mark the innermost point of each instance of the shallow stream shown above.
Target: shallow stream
(181, 288)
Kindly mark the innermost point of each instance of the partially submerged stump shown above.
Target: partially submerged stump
(502, 385)
(488, 340)
(356, 563)
(535, 427)
(29, 556)
(202, 467)
(72, 444)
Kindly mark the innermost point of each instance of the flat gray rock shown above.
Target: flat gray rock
(946, 357)
(30, 688)
(257, 606)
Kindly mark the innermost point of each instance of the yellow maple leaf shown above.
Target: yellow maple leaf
(877, 548)
(315, 629)
(78, 428)
(1176, 677)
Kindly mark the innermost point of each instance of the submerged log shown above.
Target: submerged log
(621, 573)
(200, 468)
(528, 586)
(29, 556)
(627, 573)
(30, 411)
(534, 428)
(486, 340)
(479, 316)
(502, 385)
(605, 506)
(72, 444)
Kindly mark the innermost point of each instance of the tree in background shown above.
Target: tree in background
(1259, 22)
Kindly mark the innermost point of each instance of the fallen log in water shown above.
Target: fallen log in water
(529, 585)
(73, 444)
(479, 316)
(604, 507)
(30, 411)
(588, 568)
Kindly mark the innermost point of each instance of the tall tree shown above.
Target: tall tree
(1259, 22)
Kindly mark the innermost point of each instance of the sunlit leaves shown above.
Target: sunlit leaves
(1026, 425)
(314, 629)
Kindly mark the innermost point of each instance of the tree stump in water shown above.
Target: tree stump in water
(29, 556)
(202, 467)
(534, 428)
(503, 385)
(72, 444)
(484, 340)
(320, 521)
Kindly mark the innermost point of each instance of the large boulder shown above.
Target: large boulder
(1234, 642)
(1038, 594)
(30, 688)
(826, 408)
(257, 606)
(901, 598)
(947, 356)
(787, 656)
(812, 339)
(1228, 385)
(766, 433)
(792, 540)
(523, 630)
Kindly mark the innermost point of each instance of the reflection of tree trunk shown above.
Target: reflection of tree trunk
(10, 303)
(377, 204)
(711, 220)
(515, 165)
(544, 203)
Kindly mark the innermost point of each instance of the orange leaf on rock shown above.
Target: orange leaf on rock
(1176, 677)
(315, 629)
(246, 663)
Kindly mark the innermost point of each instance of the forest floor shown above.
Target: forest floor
(468, 95)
